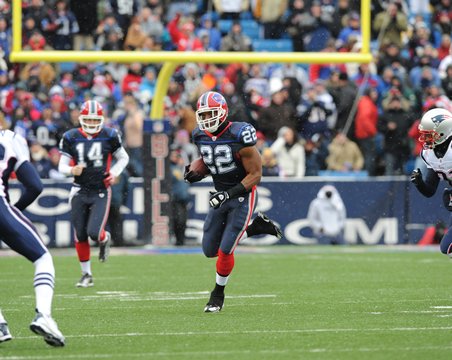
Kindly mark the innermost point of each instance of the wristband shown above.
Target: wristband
(237, 190)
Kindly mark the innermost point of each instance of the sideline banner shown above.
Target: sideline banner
(378, 211)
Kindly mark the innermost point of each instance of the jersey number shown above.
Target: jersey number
(218, 159)
(94, 153)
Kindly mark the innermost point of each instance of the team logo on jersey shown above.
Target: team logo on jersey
(101, 195)
(241, 199)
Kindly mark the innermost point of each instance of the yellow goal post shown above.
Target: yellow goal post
(156, 186)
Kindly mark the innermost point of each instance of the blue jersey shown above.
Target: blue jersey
(95, 152)
(221, 152)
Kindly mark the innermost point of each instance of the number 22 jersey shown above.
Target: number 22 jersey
(221, 152)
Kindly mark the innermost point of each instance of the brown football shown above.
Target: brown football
(198, 167)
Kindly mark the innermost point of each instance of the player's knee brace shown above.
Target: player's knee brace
(225, 263)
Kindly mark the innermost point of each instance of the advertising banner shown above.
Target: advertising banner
(378, 211)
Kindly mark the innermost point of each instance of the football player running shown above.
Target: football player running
(21, 236)
(86, 154)
(436, 135)
(229, 152)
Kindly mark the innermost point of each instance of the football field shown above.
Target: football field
(283, 302)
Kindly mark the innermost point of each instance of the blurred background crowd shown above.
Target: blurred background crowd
(311, 119)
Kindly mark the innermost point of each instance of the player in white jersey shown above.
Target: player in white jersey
(436, 135)
(20, 235)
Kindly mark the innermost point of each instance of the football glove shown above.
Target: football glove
(218, 198)
(190, 176)
(447, 199)
(416, 177)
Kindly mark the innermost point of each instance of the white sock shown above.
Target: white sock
(86, 267)
(44, 282)
(2, 319)
(221, 280)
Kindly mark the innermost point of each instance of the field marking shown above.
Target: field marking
(166, 354)
(250, 332)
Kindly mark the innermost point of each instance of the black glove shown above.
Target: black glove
(416, 177)
(190, 176)
(447, 199)
(218, 198)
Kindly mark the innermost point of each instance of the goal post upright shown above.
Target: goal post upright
(157, 179)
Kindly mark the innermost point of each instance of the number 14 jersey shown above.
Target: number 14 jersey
(94, 152)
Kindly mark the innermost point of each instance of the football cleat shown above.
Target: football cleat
(267, 226)
(85, 281)
(104, 247)
(215, 303)
(5, 335)
(46, 327)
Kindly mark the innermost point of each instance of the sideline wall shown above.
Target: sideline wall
(384, 211)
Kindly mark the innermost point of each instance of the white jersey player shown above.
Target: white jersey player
(436, 135)
(21, 236)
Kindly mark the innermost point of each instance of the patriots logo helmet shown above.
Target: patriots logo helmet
(91, 117)
(211, 111)
(435, 127)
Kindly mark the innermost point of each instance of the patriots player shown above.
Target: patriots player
(86, 154)
(228, 150)
(436, 135)
(21, 236)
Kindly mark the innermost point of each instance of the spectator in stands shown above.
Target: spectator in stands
(231, 9)
(390, 57)
(67, 27)
(269, 163)
(278, 114)
(389, 24)
(207, 25)
(327, 215)
(366, 120)
(289, 153)
(446, 83)
(135, 36)
(353, 28)
(5, 37)
(188, 150)
(344, 155)
(316, 152)
(395, 93)
(434, 95)
(444, 64)
(315, 27)
(395, 124)
(312, 115)
(133, 134)
(323, 71)
(340, 17)
(84, 39)
(237, 108)
(132, 81)
(119, 194)
(444, 47)
(124, 12)
(327, 100)
(271, 14)
(106, 28)
(182, 34)
(235, 40)
(344, 93)
(294, 24)
(150, 23)
(40, 160)
(180, 196)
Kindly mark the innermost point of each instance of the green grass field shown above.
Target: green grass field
(282, 303)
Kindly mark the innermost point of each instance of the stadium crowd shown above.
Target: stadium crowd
(310, 118)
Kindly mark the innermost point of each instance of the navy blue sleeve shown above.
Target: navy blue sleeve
(429, 183)
(29, 177)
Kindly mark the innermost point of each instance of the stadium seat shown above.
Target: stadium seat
(224, 25)
(251, 28)
(349, 174)
(270, 45)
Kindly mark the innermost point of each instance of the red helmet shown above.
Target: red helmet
(91, 111)
(212, 110)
